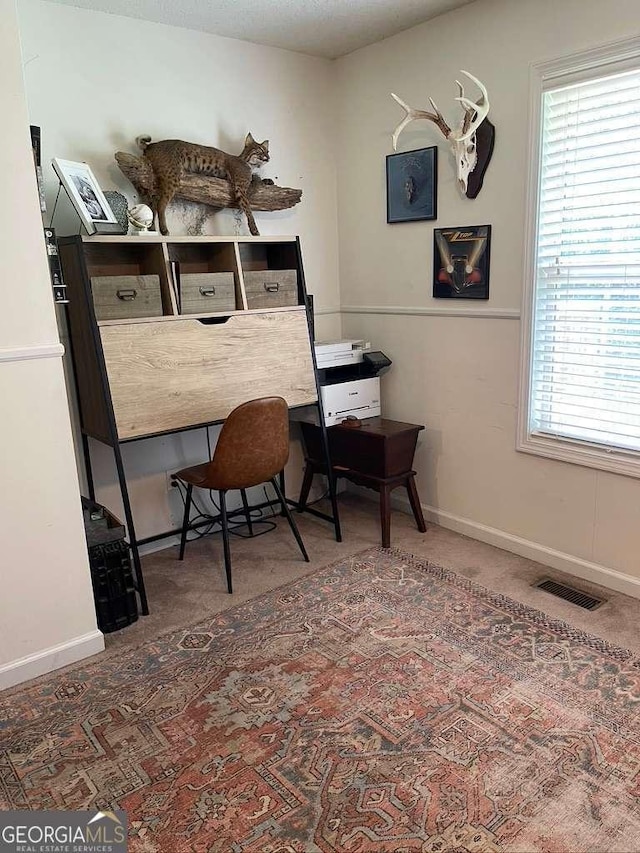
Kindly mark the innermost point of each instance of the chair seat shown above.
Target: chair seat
(196, 475)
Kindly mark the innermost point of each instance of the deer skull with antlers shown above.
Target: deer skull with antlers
(463, 139)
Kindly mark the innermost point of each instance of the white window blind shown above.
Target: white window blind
(585, 358)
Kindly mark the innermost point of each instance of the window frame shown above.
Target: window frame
(611, 58)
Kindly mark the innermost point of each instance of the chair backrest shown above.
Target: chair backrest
(253, 445)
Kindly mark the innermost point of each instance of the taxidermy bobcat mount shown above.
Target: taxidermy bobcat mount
(170, 159)
(201, 188)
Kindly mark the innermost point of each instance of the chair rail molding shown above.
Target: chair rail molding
(428, 311)
(329, 309)
(52, 350)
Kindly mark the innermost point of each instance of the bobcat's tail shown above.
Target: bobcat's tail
(143, 142)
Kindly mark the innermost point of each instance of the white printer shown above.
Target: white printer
(349, 380)
(339, 353)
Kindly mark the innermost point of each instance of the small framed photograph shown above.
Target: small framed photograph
(461, 262)
(87, 197)
(412, 179)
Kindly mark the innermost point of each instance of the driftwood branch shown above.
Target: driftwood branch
(215, 192)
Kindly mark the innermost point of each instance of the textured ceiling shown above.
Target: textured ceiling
(328, 28)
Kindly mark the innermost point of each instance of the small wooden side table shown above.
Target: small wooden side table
(378, 455)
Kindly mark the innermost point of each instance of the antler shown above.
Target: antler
(411, 114)
(474, 114)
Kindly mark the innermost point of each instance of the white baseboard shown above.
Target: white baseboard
(592, 572)
(47, 660)
(159, 545)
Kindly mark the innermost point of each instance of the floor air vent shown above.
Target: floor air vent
(575, 596)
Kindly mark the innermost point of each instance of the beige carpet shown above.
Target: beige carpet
(183, 593)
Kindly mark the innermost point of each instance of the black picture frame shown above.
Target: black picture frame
(461, 259)
(412, 185)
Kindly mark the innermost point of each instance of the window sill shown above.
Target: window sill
(622, 462)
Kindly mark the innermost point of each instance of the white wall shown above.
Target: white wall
(459, 375)
(47, 618)
(83, 89)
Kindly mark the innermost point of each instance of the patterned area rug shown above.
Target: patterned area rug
(381, 705)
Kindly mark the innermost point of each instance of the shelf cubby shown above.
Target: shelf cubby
(131, 259)
(272, 256)
(208, 257)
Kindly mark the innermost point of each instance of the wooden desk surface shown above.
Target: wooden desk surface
(168, 376)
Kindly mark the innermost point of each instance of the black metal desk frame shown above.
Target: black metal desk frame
(112, 440)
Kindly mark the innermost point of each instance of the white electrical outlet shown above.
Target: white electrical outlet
(175, 506)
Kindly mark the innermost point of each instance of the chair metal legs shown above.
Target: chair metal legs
(292, 524)
(224, 519)
(247, 513)
(225, 531)
(185, 521)
(225, 539)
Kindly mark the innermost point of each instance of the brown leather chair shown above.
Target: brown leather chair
(253, 447)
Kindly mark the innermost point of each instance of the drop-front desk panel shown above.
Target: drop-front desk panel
(170, 375)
